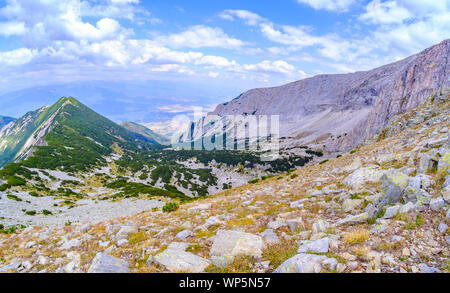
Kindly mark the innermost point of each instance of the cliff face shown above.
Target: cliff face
(338, 112)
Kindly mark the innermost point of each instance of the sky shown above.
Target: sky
(219, 47)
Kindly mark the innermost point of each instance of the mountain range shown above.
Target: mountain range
(337, 112)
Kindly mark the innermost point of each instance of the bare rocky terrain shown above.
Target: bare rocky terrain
(382, 207)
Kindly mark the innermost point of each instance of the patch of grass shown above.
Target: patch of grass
(293, 176)
(137, 237)
(356, 236)
(30, 213)
(419, 221)
(240, 264)
(253, 181)
(240, 222)
(279, 253)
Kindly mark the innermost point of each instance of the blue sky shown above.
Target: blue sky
(220, 47)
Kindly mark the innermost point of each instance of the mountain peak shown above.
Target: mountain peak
(67, 128)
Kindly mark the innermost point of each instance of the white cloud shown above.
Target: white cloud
(378, 12)
(17, 57)
(268, 66)
(249, 17)
(330, 5)
(12, 28)
(200, 36)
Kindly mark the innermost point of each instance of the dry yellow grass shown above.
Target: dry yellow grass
(356, 236)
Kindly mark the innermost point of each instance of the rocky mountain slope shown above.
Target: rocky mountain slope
(5, 120)
(338, 112)
(383, 207)
(67, 128)
(146, 132)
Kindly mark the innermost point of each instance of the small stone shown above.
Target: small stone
(295, 225)
(297, 204)
(42, 260)
(349, 257)
(125, 231)
(270, 237)
(302, 263)
(276, 224)
(122, 242)
(200, 207)
(317, 246)
(428, 270)
(437, 204)
(70, 244)
(178, 246)
(442, 228)
(406, 208)
(391, 212)
(320, 226)
(184, 234)
(406, 251)
(30, 244)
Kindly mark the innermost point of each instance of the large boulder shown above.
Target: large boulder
(234, 243)
(104, 263)
(177, 260)
(357, 179)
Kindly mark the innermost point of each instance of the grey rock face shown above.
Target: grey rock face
(326, 107)
(104, 263)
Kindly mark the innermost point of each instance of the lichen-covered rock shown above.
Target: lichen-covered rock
(351, 205)
(362, 176)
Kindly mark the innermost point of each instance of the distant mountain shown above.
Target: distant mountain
(68, 135)
(5, 120)
(338, 112)
(146, 132)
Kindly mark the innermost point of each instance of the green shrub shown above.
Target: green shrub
(293, 176)
(15, 181)
(253, 181)
(323, 162)
(4, 187)
(13, 197)
(170, 207)
(34, 193)
(46, 212)
(30, 213)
